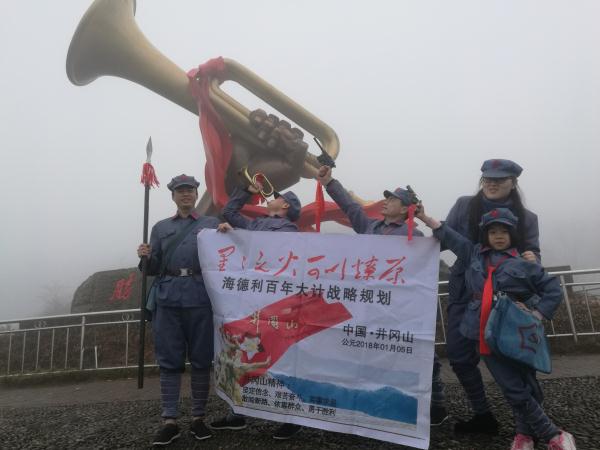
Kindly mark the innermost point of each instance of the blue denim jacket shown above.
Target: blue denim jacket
(181, 292)
(458, 220)
(231, 213)
(361, 223)
(521, 280)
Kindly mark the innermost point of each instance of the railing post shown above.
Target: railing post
(126, 343)
(67, 349)
(587, 304)
(81, 349)
(9, 353)
(52, 351)
(37, 350)
(23, 352)
(568, 305)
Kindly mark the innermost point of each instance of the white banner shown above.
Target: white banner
(325, 330)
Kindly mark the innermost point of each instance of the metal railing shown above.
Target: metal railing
(102, 340)
(75, 337)
(569, 320)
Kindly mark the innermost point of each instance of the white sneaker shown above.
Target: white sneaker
(562, 441)
(522, 442)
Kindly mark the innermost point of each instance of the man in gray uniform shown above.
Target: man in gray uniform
(395, 213)
(182, 321)
(283, 211)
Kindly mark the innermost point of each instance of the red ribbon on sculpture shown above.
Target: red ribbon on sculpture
(217, 143)
(218, 149)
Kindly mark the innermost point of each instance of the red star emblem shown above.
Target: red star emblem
(529, 337)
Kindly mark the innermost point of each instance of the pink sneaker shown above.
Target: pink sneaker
(522, 442)
(562, 441)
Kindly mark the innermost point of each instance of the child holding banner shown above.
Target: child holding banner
(283, 211)
(494, 268)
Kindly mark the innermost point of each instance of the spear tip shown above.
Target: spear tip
(149, 150)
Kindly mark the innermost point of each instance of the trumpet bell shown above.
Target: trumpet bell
(256, 180)
(107, 41)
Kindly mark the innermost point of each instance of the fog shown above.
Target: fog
(419, 93)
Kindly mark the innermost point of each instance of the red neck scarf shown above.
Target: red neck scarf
(486, 304)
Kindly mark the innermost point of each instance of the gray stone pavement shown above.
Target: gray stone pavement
(106, 414)
(126, 389)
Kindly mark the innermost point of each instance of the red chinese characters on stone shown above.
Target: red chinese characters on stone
(122, 289)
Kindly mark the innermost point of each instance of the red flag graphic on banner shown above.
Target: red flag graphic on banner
(266, 334)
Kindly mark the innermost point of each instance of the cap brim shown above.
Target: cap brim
(501, 220)
(276, 194)
(182, 185)
(494, 173)
(387, 194)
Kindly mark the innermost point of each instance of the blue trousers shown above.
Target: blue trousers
(524, 394)
(180, 333)
(438, 397)
(463, 355)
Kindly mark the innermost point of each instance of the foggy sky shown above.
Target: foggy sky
(419, 93)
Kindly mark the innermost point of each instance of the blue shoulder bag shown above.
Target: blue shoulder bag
(518, 335)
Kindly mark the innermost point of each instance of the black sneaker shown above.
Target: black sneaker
(229, 422)
(167, 434)
(438, 416)
(286, 431)
(484, 423)
(199, 430)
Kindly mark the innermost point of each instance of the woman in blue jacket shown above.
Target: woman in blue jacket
(499, 189)
(494, 265)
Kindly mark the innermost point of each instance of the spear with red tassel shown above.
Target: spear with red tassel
(148, 180)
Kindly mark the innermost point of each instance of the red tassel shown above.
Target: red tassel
(411, 220)
(149, 176)
(320, 201)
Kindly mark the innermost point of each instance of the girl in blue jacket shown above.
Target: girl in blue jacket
(495, 259)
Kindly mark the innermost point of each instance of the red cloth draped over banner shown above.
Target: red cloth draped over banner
(218, 149)
(282, 324)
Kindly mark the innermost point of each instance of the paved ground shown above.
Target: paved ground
(114, 414)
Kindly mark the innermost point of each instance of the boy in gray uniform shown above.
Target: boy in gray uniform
(283, 211)
(182, 318)
(395, 213)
